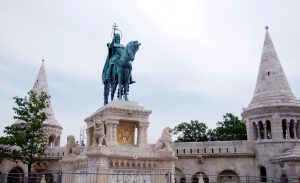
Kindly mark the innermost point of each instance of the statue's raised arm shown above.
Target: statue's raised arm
(117, 68)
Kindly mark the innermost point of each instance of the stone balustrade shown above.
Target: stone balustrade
(213, 148)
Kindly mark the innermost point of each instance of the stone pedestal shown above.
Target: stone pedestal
(127, 155)
(122, 120)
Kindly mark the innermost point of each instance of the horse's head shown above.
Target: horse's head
(132, 47)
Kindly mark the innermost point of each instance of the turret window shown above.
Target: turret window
(268, 126)
(261, 130)
(297, 129)
(284, 129)
(255, 133)
(291, 129)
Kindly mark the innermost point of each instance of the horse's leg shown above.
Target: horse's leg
(113, 90)
(126, 83)
(106, 92)
(120, 85)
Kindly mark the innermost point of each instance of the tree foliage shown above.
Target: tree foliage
(25, 140)
(231, 128)
(194, 131)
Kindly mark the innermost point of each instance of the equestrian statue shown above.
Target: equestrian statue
(117, 68)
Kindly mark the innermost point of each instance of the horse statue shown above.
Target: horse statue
(117, 67)
(121, 73)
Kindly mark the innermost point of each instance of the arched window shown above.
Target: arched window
(297, 129)
(182, 180)
(255, 133)
(261, 130)
(195, 177)
(228, 176)
(51, 140)
(57, 141)
(291, 129)
(284, 128)
(284, 179)
(263, 174)
(269, 132)
(15, 175)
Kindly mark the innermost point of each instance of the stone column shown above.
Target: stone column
(142, 133)
(265, 130)
(140, 136)
(288, 130)
(146, 133)
(295, 129)
(88, 138)
(276, 127)
(115, 132)
(258, 132)
(111, 132)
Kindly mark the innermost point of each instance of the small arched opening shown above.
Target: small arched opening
(228, 176)
(284, 179)
(298, 129)
(263, 174)
(15, 175)
(57, 141)
(291, 129)
(255, 133)
(195, 177)
(182, 180)
(269, 131)
(284, 128)
(261, 130)
(51, 139)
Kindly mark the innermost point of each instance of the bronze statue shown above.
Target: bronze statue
(117, 68)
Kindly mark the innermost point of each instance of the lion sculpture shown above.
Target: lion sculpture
(165, 140)
(99, 133)
(72, 148)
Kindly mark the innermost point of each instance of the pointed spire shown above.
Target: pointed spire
(41, 85)
(272, 87)
(41, 81)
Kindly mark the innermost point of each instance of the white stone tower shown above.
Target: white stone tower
(273, 118)
(51, 127)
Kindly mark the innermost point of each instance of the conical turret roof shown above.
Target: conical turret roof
(41, 85)
(272, 87)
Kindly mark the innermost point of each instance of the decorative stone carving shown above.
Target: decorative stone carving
(165, 140)
(99, 133)
(72, 148)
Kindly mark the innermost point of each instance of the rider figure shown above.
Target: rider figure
(115, 49)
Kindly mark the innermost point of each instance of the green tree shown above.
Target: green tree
(25, 140)
(194, 131)
(231, 128)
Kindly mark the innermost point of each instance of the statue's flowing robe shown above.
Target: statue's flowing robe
(114, 53)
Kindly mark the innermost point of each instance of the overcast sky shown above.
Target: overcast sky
(198, 59)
